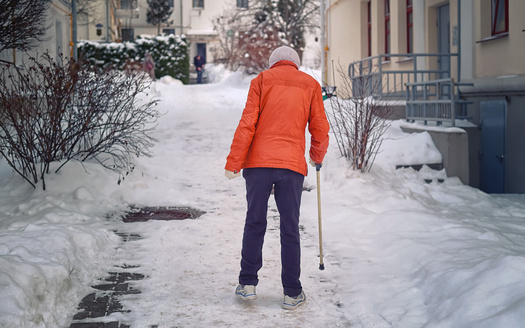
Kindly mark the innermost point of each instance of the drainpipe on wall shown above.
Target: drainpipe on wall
(14, 49)
(181, 24)
(74, 50)
(107, 21)
(323, 43)
(459, 44)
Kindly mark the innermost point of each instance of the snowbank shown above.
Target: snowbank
(399, 252)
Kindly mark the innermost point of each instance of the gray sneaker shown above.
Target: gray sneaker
(246, 292)
(292, 303)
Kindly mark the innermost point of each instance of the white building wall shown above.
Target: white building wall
(57, 38)
(100, 24)
(195, 23)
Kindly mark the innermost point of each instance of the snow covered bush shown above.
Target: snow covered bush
(170, 54)
(58, 111)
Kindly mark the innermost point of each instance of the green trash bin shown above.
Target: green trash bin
(328, 92)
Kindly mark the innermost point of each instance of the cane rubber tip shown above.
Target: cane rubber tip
(321, 266)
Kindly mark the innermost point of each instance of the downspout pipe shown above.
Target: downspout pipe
(323, 43)
(74, 29)
(459, 44)
(463, 109)
(107, 21)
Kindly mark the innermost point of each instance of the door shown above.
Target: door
(201, 50)
(444, 40)
(492, 153)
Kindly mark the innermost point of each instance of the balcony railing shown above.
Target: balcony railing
(127, 9)
(430, 94)
(127, 4)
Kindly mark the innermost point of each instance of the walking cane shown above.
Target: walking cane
(318, 171)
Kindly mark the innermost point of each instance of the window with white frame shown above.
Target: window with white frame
(198, 3)
(500, 17)
(242, 4)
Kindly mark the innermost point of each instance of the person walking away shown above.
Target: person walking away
(269, 146)
(198, 61)
(149, 65)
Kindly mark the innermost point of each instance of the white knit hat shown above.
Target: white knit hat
(284, 53)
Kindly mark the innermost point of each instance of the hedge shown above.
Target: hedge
(169, 52)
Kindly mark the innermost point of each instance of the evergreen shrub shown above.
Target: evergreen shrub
(170, 54)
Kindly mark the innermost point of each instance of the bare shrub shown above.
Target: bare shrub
(54, 112)
(358, 120)
(22, 23)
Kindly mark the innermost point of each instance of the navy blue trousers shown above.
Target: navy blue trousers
(288, 186)
(199, 77)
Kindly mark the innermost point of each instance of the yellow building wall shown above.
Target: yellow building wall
(503, 56)
(344, 28)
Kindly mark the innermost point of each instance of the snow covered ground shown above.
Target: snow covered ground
(398, 252)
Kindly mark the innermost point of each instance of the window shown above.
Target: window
(171, 3)
(369, 13)
(387, 27)
(168, 31)
(58, 33)
(242, 4)
(410, 30)
(500, 17)
(198, 3)
(128, 34)
(127, 4)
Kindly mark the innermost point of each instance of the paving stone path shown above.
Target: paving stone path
(105, 299)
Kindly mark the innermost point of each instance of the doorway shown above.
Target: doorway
(201, 50)
(492, 154)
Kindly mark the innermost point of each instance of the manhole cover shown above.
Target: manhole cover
(143, 214)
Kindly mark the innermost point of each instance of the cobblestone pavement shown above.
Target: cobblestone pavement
(104, 300)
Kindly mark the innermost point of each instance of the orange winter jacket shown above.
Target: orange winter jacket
(271, 132)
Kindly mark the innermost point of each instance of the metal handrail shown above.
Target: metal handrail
(431, 101)
(373, 76)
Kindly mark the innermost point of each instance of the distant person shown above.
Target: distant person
(269, 146)
(149, 65)
(198, 61)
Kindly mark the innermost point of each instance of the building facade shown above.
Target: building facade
(471, 49)
(57, 39)
(193, 18)
(97, 20)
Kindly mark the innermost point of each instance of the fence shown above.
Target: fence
(385, 76)
(431, 101)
